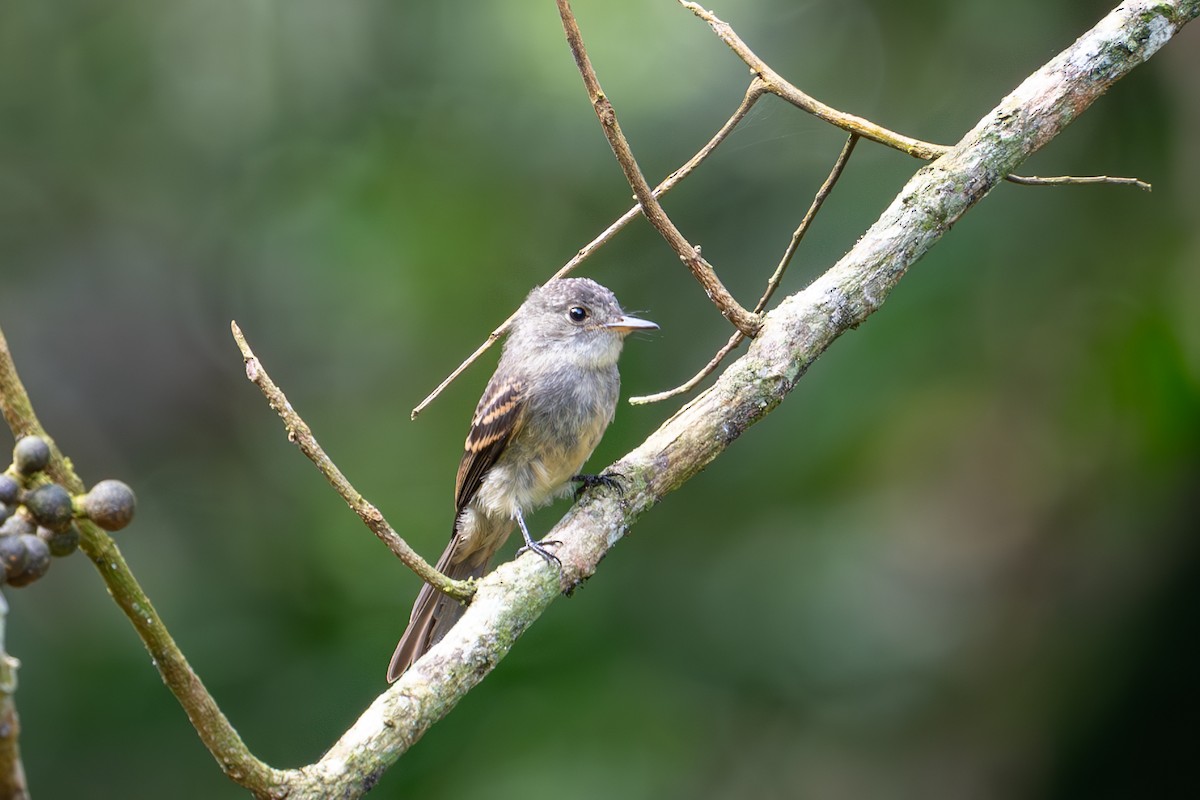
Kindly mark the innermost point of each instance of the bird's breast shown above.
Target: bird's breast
(565, 420)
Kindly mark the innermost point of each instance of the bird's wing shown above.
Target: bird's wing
(497, 419)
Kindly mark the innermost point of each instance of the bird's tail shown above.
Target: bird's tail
(434, 613)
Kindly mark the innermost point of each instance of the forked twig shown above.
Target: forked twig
(300, 434)
(772, 284)
(765, 81)
(755, 91)
(777, 85)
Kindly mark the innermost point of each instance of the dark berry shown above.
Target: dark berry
(50, 505)
(61, 543)
(14, 556)
(16, 525)
(31, 454)
(110, 504)
(10, 490)
(37, 561)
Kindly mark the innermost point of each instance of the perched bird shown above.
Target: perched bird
(541, 416)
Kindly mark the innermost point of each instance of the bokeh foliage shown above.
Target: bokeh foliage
(961, 561)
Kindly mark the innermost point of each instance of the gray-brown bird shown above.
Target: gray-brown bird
(542, 414)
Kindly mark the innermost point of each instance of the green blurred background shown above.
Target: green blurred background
(960, 561)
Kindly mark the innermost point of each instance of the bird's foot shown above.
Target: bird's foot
(540, 549)
(537, 547)
(611, 480)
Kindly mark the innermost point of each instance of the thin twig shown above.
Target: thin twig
(1063, 180)
(1072, 180)
(745, 321)
(818, 200)
(777, 85)
(734, 340)
(772, 284)
(755, 91)
(300, 434)
(500, 330)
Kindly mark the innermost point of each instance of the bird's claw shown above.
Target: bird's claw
(540, 549)
(610, 480)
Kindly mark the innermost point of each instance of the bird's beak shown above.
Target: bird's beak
(629, 324)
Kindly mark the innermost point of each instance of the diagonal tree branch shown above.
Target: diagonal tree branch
(792, 337)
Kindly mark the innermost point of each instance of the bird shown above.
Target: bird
(541, 415)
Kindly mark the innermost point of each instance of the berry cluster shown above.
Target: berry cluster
(37, 519)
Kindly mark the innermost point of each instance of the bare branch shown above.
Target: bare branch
(491, 339)
(818, 201)
(691, 383)
(301, 435)
(753, 93)
(777, 85)
(1066, 180)
(742, 319)
(772, 284)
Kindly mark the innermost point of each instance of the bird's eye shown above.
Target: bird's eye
(577, 314)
